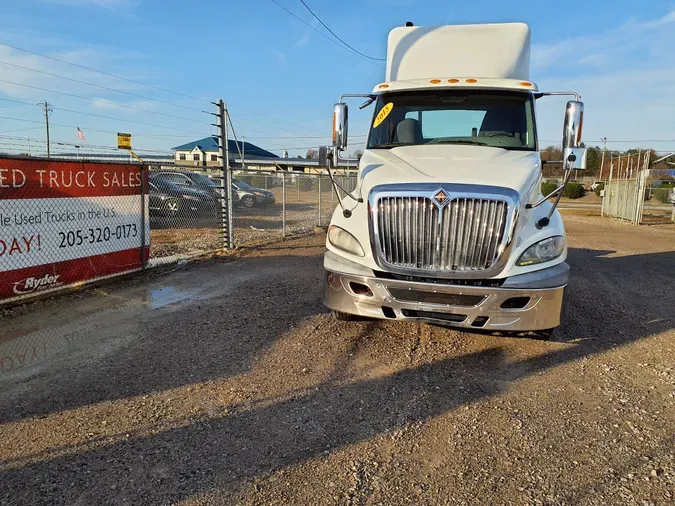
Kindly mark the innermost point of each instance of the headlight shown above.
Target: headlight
(345, 241)
(543, 251)
(190, 197)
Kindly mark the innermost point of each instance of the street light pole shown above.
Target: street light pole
(602, 163)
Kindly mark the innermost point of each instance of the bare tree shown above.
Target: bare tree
(312, 154)
(357, 154)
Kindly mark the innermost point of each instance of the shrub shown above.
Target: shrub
(574, 191)
(599, 188)
(246, 178)
(257, 181)
(547, 187)
(662, 194)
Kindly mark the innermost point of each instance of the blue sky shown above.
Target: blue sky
(280, 77)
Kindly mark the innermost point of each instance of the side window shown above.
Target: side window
(176, 178)
(451, 123)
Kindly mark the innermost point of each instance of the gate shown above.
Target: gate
(624, 194)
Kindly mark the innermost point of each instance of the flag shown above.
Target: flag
(80, 134)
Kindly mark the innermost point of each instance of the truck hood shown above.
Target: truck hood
(478, 165)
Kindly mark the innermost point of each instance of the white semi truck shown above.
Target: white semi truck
(447, 223)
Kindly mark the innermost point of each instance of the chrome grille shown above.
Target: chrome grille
(466, 234)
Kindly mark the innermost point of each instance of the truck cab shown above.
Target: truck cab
(447, 223)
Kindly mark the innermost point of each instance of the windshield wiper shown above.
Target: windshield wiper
(461, 141)
(385, 145)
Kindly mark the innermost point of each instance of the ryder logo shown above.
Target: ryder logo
(31, 285)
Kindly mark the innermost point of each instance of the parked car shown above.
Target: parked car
(248, 196)
(170, 200)
(194, 180)
(596, 184)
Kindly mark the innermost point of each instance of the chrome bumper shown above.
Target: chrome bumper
(471, 307)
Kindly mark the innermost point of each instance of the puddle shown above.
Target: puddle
(165, 296)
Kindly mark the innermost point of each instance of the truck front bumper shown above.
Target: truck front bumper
(527, 302)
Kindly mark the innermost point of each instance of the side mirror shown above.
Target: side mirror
(340, 116)
(574, 157)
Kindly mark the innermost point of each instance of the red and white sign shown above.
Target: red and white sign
(68, 222)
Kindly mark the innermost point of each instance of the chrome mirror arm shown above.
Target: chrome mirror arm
(345, 212)
(568, 173)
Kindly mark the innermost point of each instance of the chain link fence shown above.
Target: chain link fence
(185, 212)
(268, 207)
(68, 222)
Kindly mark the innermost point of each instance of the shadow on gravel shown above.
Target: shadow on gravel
(613, 302)
(134, 350)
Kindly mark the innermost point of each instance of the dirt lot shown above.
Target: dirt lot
(228, 383)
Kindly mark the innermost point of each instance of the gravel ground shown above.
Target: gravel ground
(228, 383)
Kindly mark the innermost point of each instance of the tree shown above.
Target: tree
(357, 154)
(312, 154)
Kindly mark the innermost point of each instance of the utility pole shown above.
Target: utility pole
(48, 109)
(602, 163)
(226, 189)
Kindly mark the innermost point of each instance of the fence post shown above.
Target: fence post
(144, 192)
(226, 190)
(319, 199)
(283, 205)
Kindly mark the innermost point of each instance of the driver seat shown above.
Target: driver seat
(409, 131)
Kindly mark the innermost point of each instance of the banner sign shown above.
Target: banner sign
(68, 222)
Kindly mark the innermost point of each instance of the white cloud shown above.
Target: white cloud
(130, 107)
(593, 59)
(630, 36)
(625, 75)
(113, 5)
(281, 56)
(302, 41)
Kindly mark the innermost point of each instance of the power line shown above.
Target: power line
(126, 120)
(304, 137)
(320, 32)
(97, 85)
(103, 73)
(109, 117)
(97, 100)
(131, 81)
(337, 37)
(621, 141)
(21, 141)
(239, 118)
(85, 128)
(115, 104)
(19, 130)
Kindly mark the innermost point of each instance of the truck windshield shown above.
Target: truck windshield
(473, 117)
